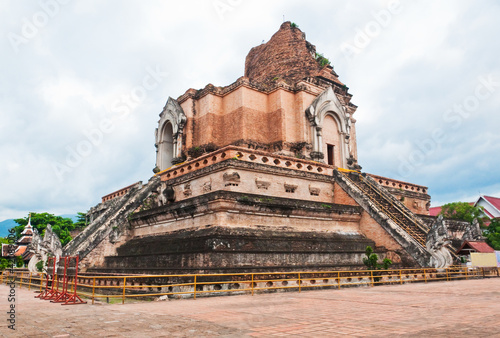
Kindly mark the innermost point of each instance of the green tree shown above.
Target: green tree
(463, 211)
(61, 226)
(19, 261)
(81, 221)
(492, 233)
(4, 263)
(39, 266)
(371, 260)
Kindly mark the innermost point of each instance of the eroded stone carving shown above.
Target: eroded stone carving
(437, 240)
(50, 245)
(207, 186)
(187, 190)
(114, 235)
(393, 256)
(231, 179)
(261, 184)
(314, 191)
(167, 195)
(473, 232)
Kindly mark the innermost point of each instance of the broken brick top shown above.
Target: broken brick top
(286, 56)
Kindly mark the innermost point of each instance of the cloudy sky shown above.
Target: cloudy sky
(82, 84)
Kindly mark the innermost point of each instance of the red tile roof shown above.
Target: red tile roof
(495, 201)
(488, 213)
(27, 231)
(482, 247)
(5, 250)
(20, 250)
(27, 255)
(25, 240)
(434, 211)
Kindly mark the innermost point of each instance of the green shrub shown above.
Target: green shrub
(323, 61)
(371, 260)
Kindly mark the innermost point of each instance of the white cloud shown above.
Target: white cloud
(64, 81)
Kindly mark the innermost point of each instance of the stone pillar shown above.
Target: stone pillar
(179, 143)
(174, 146)
(343, 150)
(314, 138)
(319, 131)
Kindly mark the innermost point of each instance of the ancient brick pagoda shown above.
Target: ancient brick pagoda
(285, 104)
(260, 175)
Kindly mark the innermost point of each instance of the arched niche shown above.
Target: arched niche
(169, 134)
(166, 146)
(332, 142)
(327, 107)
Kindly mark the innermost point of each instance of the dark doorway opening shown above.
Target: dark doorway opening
(329, 151)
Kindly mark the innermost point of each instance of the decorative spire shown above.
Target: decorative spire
(28, 229)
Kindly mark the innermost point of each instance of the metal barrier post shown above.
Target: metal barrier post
(194, 287)
(300, 283)
(252, 284)
(400, 277)
(371, 275)
(123, 295)
(447, 278)
(93, 290)
(425, 276)
(64, 294)
(338, 278)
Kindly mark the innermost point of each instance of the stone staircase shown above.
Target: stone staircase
(404, 226)
(112, 220)
(393, 208)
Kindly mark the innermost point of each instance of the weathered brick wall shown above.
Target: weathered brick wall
(267, 105)
(287, 56)
(105, 248)
(341, 197)
(247, 114)
(371, 229)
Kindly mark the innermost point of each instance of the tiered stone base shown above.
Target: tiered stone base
(220, 249)
(226, 231)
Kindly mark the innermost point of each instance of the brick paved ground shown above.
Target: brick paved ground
(448, 309)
